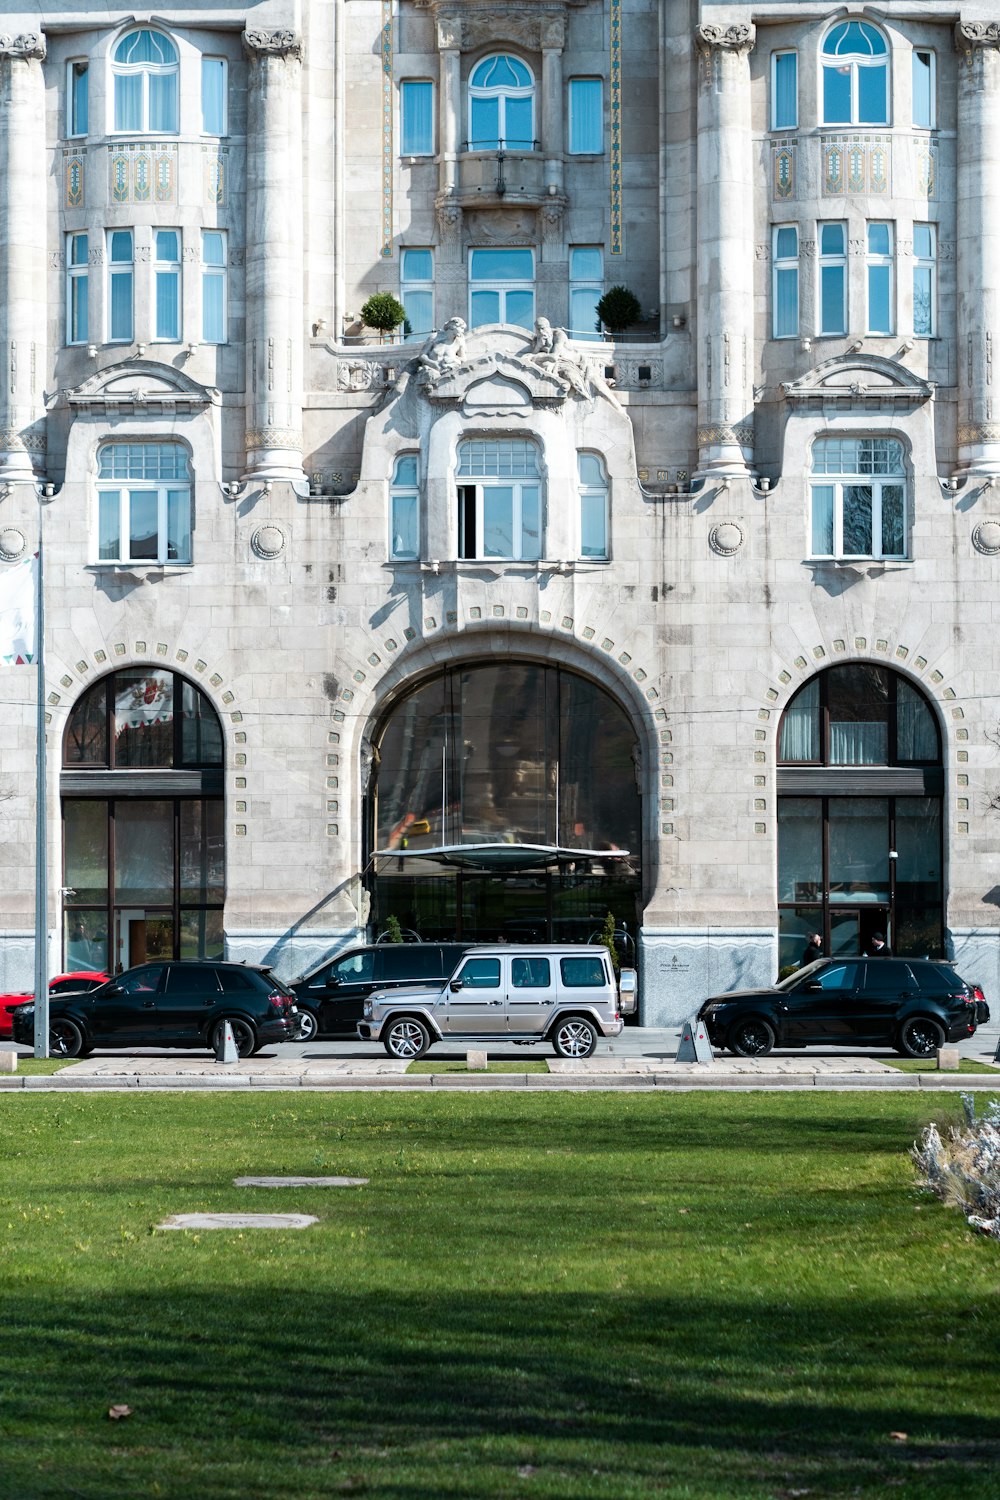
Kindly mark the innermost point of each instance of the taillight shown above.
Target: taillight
(977, 991)
(963, 998)
(279, 1002)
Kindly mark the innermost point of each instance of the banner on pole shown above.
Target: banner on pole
(18, 625)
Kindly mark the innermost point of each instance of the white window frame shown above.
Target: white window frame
(590, 492)
(791, 124)
(427, 149)
(581, 284)
(77, 287)
(783, 266)
(502, 454)
(927, 52)
(857, 61)
(866, 473)
(878, 261)
(500, 286)
(77, 67)
(572, 150)
(403, 492)
(145, 70)
(211, 271)
(502, 92)
(830, 261)
(165, 268)
(411, 285)
(117, 493)
(926, 263)
(208, 57)
(120, 268)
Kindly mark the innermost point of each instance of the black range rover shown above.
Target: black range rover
(914, 1005)
(331, 999)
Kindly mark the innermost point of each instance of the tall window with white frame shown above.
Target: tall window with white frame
(855, 75)
(858, 498)
(879, 278)
(416, 291)
(924, 102)
(77, 97)
(499, 499)
(784, 90)
(143, 503)
(77, 285)
(145, 72)
(586, 287)
(404, 509)
(833, 278)
(214, 95)
(785, 281)
(593, 506)
(586, 116)
(501, 105)
(213, 286)
(167, 284)
(924, 280)
(120, 302)
(416, 117)
(502, 287)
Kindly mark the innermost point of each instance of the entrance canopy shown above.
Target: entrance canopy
(505, 858)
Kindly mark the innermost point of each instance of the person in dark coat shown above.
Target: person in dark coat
(813, 949)
(878, 947)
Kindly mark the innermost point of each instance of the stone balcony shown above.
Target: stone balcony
(496, 177)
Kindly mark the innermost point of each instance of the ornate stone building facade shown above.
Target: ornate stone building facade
(506, 621)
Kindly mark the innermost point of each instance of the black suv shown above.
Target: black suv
(914, 1005)
(331, 999)
(182, 1004)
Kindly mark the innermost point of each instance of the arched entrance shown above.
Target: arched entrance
(860, 786)
(504, 802)
(143, 822)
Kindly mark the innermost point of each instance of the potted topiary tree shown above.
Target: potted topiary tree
(617, 310)
(608, 939)
(383, 312)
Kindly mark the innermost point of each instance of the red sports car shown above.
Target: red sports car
(63, 984)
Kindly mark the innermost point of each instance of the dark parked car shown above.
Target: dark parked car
(331, 998)
(914, 1005)
(182, 1004)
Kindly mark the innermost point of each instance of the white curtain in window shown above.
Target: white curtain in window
(128, 101)
(163, 102)
(854, 744)
(213, 95)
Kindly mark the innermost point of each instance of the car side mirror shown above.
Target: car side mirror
(114, 989)
(456, 985)
(813, 989)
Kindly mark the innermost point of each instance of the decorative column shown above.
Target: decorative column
(23, 279)
(449, 41)
(725, 252)
(553, 128)
(978, 249)
(274, 271)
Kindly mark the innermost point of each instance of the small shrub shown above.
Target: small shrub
(963, 1169)
(608, 939)
(383, 312)
(393, 932)
(618, 309)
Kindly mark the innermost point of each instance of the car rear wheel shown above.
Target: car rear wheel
(243, 1035)
(919, 1036)
(406, 1038)
(752, 1038)
(575, 1037)
(65, 1038)
(308, 1025)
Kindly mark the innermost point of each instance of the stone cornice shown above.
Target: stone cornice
(969, 34)
(260, 44)
(28, 45)
(469, 26)
(739, 37)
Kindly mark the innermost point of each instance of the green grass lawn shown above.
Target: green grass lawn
(926, 1065)
(37, 1066)
(696, 1296)
(458, 1065)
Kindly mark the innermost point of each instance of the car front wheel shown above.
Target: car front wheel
(920, 1037)
(406, 1039)
(575, 1037)
(753, 1038)
(65, 1039)
(243, 1035)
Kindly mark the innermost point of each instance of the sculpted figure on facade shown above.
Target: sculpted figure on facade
(443, 352)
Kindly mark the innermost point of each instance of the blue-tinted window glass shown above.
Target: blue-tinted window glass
(586, 115)
(831, 239)
(213, 96)
(923, 89)
(837, 94)
(832, 318)
(784, 110)
(873, 98)
(79, 103)
(484, 126)
(416, 107)
(822, 520)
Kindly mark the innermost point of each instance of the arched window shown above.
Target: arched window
(593, 506)
(855, 75)
(501, 105)
(404, 509)
(858, 498)
(860, 814)
(143, 503)
(143, 824)
(499, 499)
(145, 71)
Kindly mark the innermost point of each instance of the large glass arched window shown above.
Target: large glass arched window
(143, 503)
(499, 499)
(145, 72)
(143, 825)
(501, 105)
(487, 778)
(860, 814)
(855, 75)
(858, 498)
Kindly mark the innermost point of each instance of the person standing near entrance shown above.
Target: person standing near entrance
(878, 947)
(813, 949)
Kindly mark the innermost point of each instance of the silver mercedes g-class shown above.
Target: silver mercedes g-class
(565, 994)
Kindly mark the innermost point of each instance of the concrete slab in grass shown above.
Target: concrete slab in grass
(238, 1221)
(280, 1182)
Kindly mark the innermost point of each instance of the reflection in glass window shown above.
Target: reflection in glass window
(501, 106)
(859, 506)
(145, 74)
(147, 517)
(404, 509)
(924, 280)
(859, 714)
(143, 717)
(500, 513)
(586, 287)
(502, 287)
(855, 76)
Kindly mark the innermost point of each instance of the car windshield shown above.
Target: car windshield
(807, 969)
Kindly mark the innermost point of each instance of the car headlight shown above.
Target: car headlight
(369, 1010)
